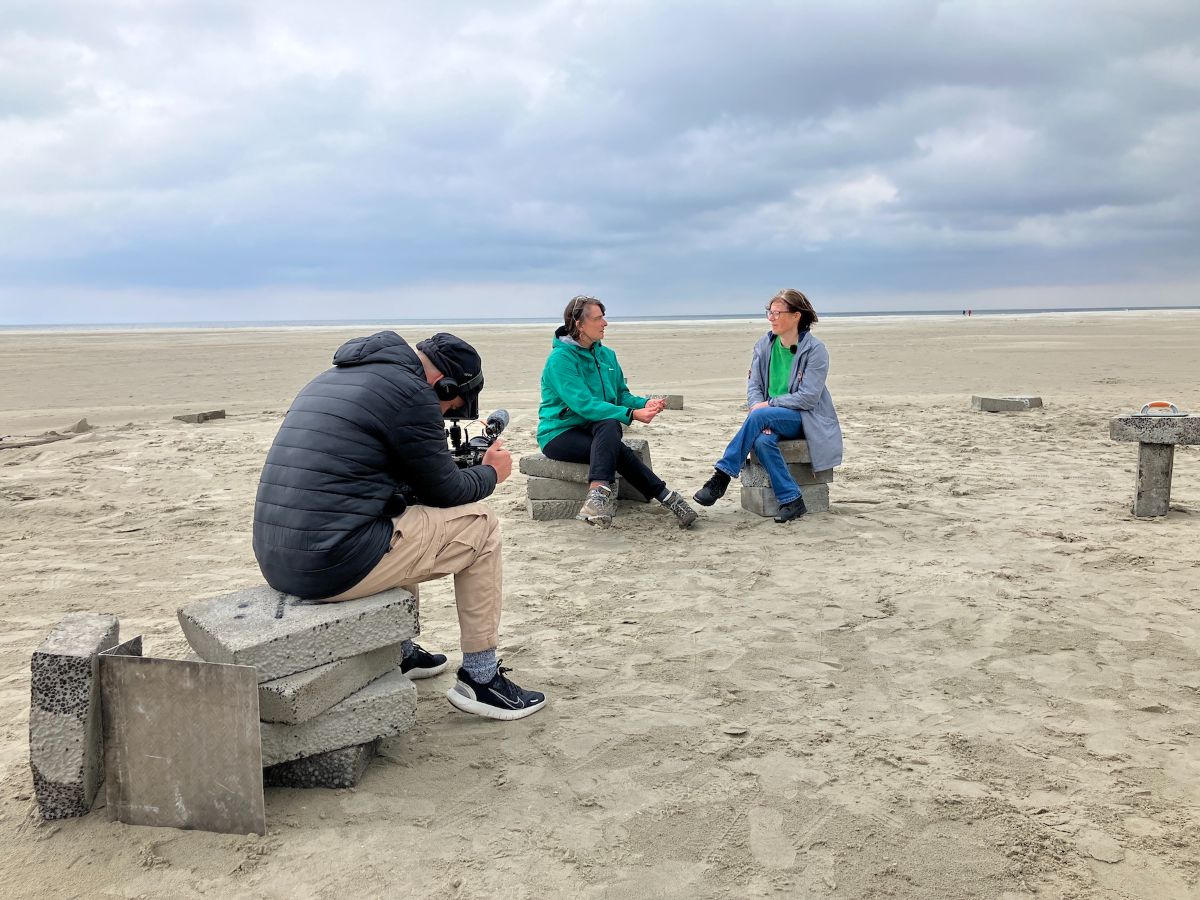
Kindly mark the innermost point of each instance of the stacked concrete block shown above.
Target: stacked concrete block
(65, 750)
(329, 682)
(335, 769)
(293, 699)
(556, 490)
(1005, 404)
(757, 494)
(383, 708)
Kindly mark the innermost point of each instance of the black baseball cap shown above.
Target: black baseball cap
(458, 360)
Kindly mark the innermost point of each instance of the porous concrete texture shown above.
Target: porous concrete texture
(280, 634)
(297, 698)
(385, 707)
(1005, 404)
(342, 768)
(1155, 429)
(1152, 490)
(65, 751)
(761, 500)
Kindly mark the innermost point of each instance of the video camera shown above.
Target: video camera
(468, 451)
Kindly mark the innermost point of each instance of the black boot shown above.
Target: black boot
(713, 490)
(793, 509)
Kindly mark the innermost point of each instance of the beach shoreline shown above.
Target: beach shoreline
(975, 676)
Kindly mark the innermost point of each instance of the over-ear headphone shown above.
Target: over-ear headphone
(447, 388)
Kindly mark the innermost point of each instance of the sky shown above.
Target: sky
(166, 161)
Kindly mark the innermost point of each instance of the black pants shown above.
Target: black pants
(599, 444)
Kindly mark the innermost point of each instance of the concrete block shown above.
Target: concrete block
(342, 768)
(792, 451)
(1152, 491)
(297, 698)
(1155, 429)
(385, 707)
(196, 418)
(537, 465)
(65, 750)
(281, 634)
(755, 475)
(548, 510)
(552, 489)
(1005, 404)
(761, 500)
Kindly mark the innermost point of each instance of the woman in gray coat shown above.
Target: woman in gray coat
(788, 400)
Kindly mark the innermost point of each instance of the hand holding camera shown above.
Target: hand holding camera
(499, 459)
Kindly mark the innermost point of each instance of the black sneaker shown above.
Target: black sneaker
(793, 509)
(423, 664)
(498, 699)
(713, 490)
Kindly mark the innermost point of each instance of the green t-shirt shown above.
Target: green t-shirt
(782, 357)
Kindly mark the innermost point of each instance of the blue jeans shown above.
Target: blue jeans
(785, 424)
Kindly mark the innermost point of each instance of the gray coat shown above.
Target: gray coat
(808, 395)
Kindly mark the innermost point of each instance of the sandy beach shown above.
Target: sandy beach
(976, 676)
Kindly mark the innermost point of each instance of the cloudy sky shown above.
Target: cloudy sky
(281, 159)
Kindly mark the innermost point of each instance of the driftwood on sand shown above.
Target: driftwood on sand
(49, 437)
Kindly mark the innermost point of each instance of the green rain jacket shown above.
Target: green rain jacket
(581, 386)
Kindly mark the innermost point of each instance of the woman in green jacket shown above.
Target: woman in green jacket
(585, 401)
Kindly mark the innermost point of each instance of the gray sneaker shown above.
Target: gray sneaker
(676, 504)
(599, 507)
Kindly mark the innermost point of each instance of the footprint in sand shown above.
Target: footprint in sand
(769, 843)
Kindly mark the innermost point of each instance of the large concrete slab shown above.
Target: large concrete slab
(761, 500)
(65, 750)
(342, 768)
(1155, 429)
(385, 707)
(1005, 404)
(280, 634)
(181, 744)
(297, 698)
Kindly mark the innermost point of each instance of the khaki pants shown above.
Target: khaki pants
(429, 543)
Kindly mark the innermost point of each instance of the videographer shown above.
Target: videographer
(360, 494)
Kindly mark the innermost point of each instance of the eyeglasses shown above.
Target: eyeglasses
(776, 313)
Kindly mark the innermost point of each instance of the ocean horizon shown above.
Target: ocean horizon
(252, 324)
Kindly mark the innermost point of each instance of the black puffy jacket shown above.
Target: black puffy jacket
(352, 438)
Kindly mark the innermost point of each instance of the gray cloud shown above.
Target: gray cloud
(674, 155)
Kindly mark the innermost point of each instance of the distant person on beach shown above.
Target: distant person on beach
(360, 494)
(585, 401)
(788, 399)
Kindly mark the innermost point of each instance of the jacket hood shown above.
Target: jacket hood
(563, 339)
(382, 347)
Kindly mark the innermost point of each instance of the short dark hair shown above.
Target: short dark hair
(797, 302)
(575, 311)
